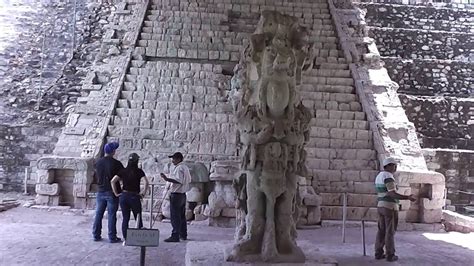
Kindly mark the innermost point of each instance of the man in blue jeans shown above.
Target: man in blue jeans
(106, 168)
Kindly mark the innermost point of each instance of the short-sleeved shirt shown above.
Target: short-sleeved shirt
(131, 179)
(180, 173)
(106, 168)
(385, 182)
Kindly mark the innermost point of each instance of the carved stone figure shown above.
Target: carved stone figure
(273, 129)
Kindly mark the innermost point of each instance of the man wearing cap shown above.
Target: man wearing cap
(387, 208)
(179, 179)
(105, 169)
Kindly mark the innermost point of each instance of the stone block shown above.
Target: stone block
(80, 203)
(44, 176)
(436, 203)
(42, 199)
(53, 201)
(80, 190)
(431, 216)
(47, 189)
(229, 212)
(314, 215)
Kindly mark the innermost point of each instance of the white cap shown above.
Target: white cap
(388, 161)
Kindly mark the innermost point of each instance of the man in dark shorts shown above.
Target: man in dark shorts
(106, 168)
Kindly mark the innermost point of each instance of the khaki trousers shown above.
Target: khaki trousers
(387, 225)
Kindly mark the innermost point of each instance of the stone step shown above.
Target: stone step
(339, 115)
(154, 72)
(329, 96)
(342, 73)
(210, 133)
(154, 20)
(325, 177)
(353, 213)
(347, 154)
(331, 105)
(330, 51)
(328, 80)
(340, 133)
(353, 199)
(173, 115)
(346, 183)
(326, 88)
(331, 60)
(339, 143)
(340, 164)
(337, 123)
(333, 66)
(164, 147)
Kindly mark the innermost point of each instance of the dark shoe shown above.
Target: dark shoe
(183, 238)
(172, 239)
(97, 239)
(380, 257)
(115, 240)
(392, 258)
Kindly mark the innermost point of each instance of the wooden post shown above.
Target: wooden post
(344, 216)
(363, 238)
(151, 206)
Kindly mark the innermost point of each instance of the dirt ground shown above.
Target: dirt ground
(40, 237)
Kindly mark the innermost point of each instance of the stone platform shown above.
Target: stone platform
(212, 253)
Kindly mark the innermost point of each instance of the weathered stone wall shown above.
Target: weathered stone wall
(423, 44)
(433, 18)
(40, 77)
(20, 147)
(428, 51)
(456, 166)
(431, 77)
(441, 3)
(444, 122)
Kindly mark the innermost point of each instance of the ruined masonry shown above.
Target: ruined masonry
(166, 87)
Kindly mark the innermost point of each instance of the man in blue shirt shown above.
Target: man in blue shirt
(106, 168)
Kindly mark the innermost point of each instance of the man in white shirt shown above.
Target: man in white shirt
(179, 179)
(387, 208)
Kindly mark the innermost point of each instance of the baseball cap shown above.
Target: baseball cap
(176, 155)
(111, 147)
(388, 161)
(133, 157)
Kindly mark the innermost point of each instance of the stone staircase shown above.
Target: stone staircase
(174, 95)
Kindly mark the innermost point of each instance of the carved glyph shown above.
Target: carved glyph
(273, 129)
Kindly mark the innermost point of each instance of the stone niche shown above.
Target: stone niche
(64, 181)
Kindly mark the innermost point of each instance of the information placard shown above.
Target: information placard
(142, 237)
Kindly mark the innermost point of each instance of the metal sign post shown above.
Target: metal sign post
(141, 237)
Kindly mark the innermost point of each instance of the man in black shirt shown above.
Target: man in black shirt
(106, 168)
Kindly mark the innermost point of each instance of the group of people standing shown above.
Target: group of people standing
(118, 185)
(110, 173)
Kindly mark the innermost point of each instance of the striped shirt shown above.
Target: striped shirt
(385, 182)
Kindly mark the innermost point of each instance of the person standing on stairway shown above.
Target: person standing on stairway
(179, 179)
(387, 208)
(105, 169)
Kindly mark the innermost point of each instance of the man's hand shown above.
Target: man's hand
(117, 194)
(412, 197)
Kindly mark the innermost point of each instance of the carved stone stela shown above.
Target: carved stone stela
(273, 128)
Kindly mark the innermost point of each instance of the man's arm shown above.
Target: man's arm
(392, 192)
(146, 186)
(169, 179)
(113, 183)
